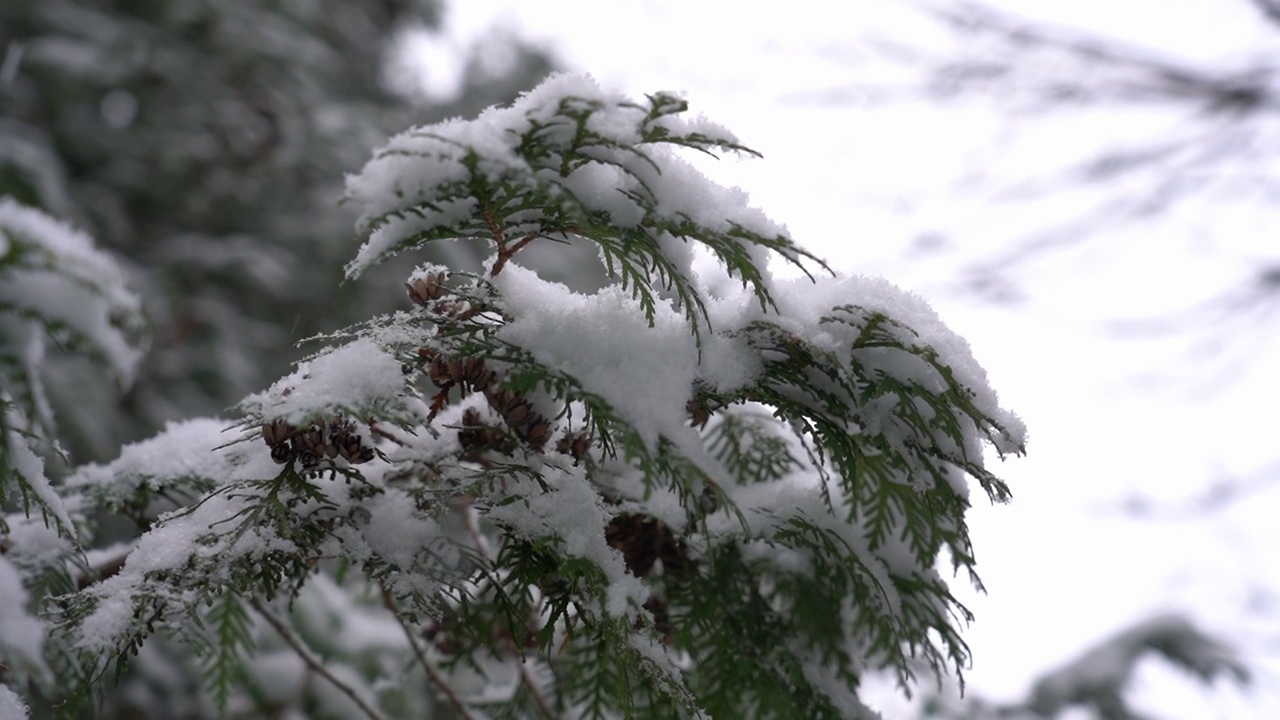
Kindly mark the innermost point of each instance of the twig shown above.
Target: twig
(109, 564)
(390, 603)
(505, 251)
(527, 680)
(312, 661)
(377, 430)
(494, 228)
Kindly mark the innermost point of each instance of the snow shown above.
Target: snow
(334, 612)
(35, 544)
(62, 279)
(574, 513)
(190, 452)
(412, 184)
(1106, 669)
(357, 378)
(767, 508)
(11, 706)
(279, 675)
(398, 532)
(647, 374)
(645, 369)
(805, 302)
(50, 296)
(30, 468)
(665, 669)
(336, 702)
(603, 340)
(199, 543)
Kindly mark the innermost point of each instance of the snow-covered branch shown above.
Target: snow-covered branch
(651, 498)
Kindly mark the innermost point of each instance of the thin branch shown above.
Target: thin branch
(505, 252)
(376, 429)
(1219, 496)
(109, 563)
(527, 680)
(390, 603)
(312, 662)
(1270, 9)
(1158, 77)
(499, 238)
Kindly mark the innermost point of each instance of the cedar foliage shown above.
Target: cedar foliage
(442, 513)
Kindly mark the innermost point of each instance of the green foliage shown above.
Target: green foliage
(647, 501)
(54, 287)
(229, 625)
(527, 194)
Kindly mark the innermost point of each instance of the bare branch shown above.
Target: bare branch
(1221, 495)
(1217, 142)
(1080, 68)
(1270, 9)
(1171, 637)
(314, 663)
(432, 675)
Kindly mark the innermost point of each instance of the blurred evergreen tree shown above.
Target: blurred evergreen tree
(204, 143)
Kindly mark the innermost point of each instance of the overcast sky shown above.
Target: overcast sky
(879, 189)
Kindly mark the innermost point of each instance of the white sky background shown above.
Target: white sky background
(1110, 417)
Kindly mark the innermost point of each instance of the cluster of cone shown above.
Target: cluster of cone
(320, 440)
(643, 541)
(470, 375)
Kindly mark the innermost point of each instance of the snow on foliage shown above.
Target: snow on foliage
(192, 454)
(649, 499)
(54, 285)
(646, 370)
(51, 274)
(28, 468)
(356, 378)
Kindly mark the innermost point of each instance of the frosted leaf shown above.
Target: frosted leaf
(30, 472)
(33, 544)
(920, 326)
(195, 545)
(911, 347)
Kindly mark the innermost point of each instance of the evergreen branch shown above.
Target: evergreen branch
(837, 444)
